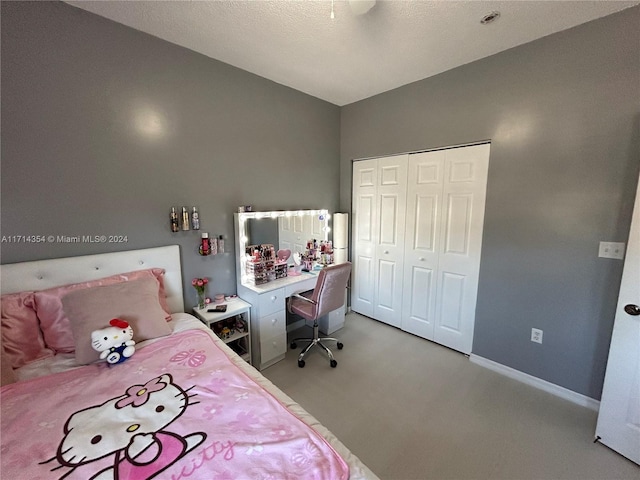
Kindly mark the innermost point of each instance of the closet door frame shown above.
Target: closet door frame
(430, 264)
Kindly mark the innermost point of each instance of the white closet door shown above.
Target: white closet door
(389, 253)
(460, 244)
(285, 234)
(424, 200)
(317, 228)
(619, 416)
(364, 213)
(292, 234)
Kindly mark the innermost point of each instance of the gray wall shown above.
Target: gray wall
(562, 114)
(74, 161)
(563, 117)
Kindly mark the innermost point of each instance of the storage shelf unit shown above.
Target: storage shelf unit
(237, 310)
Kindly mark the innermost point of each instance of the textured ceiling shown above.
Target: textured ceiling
(353, 56)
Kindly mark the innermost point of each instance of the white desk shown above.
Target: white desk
(269, 315)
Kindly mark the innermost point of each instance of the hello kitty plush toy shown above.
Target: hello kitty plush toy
(115, 343)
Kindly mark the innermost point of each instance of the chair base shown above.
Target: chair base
(316, 340)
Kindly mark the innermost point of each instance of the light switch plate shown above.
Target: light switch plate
(611, 250)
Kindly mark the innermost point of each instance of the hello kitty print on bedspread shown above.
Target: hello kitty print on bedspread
(178, 409)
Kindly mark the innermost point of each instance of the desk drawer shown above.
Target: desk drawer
(303, 286)
(271, 302)
(273, 347)
(273, 325)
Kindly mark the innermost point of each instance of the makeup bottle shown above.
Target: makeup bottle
(195, 219)
(174, 220)
(220, 244)
(213, 245)
(185, 219)
(205, 248)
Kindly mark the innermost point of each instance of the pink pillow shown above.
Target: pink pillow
(22, 340)
(7, 375)
(135, 301)
(54, 323)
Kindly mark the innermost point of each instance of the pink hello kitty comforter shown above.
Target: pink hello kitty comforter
(178, 409)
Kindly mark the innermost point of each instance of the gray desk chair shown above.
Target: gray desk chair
(326, 297)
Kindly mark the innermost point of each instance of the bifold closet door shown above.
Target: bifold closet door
(422, 239)
(295, 231)
(379, 210)
(445, 217)
(391, 198)
(364, 213)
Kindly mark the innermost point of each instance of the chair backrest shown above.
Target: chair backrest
(330, 287)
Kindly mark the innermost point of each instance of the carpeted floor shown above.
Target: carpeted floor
(411, 409)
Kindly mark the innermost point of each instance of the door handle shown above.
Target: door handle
(632, 309)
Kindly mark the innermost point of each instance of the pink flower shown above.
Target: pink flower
(200, 284)
(139, 394)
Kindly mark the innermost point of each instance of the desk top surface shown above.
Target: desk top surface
(281, 282)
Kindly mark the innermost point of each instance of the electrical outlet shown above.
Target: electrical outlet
(611, 250)
(536, 335)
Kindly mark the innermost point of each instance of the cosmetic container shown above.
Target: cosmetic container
(195, 219)
(174, 220)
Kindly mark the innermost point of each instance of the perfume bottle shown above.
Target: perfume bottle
(195, 219)
(185, 219)
(220, 244)
(205, 246)
(174, 220)
(213, 245)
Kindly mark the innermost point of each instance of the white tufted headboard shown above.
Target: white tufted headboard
(42, 274)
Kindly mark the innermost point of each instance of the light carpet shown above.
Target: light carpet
(412, 409)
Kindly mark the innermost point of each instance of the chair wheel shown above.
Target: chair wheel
(293, 345)
(340, 345)
(333, 363)
(301, 363)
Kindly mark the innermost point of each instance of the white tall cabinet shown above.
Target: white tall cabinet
(417, 230)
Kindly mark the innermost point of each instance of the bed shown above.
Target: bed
(184, 405)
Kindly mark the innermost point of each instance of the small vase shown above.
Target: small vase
(201, 302)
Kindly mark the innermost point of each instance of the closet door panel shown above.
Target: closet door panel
(286, 236)
(458, 224)
(294, 232)
(424, 191)
(450, 300)
(364, 221)
(464, 192)
(362, 296)
(317, 227)
(419, 292)
(389, 235)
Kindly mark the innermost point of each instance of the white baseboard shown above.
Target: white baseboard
(549, 387)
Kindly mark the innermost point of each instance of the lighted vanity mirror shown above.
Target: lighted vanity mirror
(285, 230)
